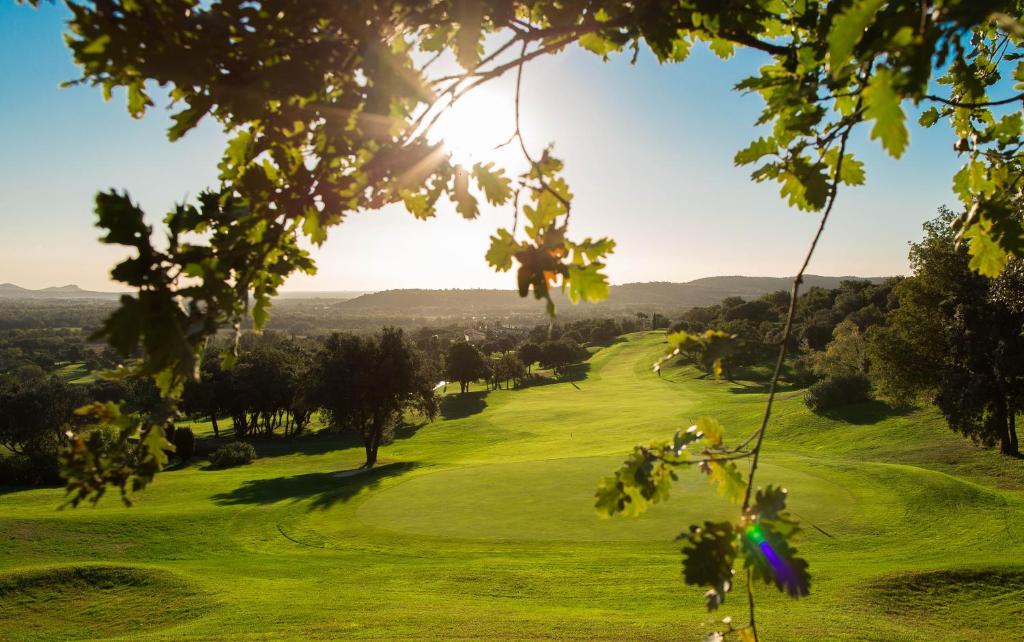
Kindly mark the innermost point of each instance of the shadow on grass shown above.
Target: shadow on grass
(314, 443)
(577, 372)
(865, 413)
(463, 404)
(324, 489)
(758, 388)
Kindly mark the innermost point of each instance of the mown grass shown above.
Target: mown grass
(481, 525)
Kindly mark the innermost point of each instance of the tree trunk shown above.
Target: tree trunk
(1011, 425)
(372, 444)
(213, 421)
(1004, 421)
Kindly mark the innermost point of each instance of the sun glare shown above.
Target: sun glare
(475, 125)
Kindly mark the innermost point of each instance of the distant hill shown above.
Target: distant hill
(11, 291)
(657, 296)
(660, 296)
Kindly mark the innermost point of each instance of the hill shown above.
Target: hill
(481, 525)
(11, 291)
(658, 296)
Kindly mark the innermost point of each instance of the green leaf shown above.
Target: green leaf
(97, 46)
(598, 44)
(495, 185)
(680, 48)
(123, 220)
(728, 479)
(929, 117)
(138, 100)
(770, 557)
(587, 283)
(756, 151)
(807, 186)
(467, 37)
(312, 228)
(185, 120)
(722, 48)
(988, 258)
(708, 558)
(852, 171)
(710, 429)
(465, 203)
(589, 250)
(503, 248)
(847, 30)
(882, 105)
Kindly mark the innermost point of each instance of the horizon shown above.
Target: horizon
(665, 136)
(284, 291)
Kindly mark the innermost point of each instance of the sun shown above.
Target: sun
(475, 125)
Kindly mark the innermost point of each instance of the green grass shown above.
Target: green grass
(75, 372)
(482, 526)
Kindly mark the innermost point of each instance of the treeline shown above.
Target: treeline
(944, 335)
(828, 334)
(282, 385)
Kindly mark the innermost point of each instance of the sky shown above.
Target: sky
(648, 151)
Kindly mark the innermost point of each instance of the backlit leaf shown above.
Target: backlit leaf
(882, 105)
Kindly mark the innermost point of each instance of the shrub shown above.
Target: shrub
(836, 391)
(169, 431)
(25, 470)
(236, 453)
(185, 443)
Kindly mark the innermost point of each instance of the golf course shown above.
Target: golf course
(481, 524)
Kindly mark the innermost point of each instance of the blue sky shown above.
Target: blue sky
(648, 149)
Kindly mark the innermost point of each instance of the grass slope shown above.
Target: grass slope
(481, 526)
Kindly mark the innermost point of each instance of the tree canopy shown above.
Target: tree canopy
(955, 338)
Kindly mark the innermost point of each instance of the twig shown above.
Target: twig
(797, 280)
(959, 105)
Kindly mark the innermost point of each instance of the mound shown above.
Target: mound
(552, 500)
(89, 602)
(937, 601)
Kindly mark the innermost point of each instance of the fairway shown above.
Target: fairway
(482, 526)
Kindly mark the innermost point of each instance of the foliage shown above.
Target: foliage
(367, 383)
(846, 354)
(529, 353)
(761, 537)
(236, 453)
(28, 470)
(956, 336)
(465, 364)
(837, 390)
(184, 443)
(36, 413)
(560, 354)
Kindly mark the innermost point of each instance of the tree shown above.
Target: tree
(954, 337)
(846, 354)
(206, 396)
(509, 369)
(367, 383)
(464, 364)
(35, 414)
(559, 355)
(529, 353)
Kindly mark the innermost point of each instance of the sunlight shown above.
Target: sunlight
(475, 125)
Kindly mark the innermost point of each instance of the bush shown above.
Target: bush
(23, 470)
(236, 453)
(185, 443)
(836, 391)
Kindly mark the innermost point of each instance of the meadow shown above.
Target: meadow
(481, 525)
